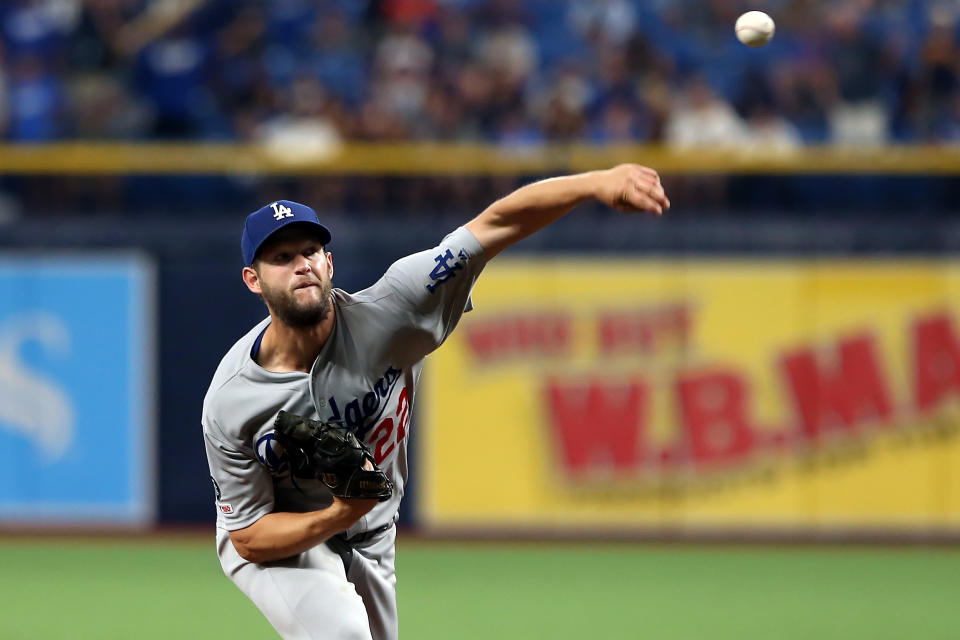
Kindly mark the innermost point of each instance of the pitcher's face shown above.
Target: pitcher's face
(294, 275)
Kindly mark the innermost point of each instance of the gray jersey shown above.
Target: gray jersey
(365, 378)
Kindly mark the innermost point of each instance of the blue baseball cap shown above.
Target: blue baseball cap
(265, 221)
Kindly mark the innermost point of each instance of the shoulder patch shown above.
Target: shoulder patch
(444, 271)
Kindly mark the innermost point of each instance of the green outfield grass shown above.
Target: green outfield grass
(97, 589)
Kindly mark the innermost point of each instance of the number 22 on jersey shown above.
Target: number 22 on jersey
(383, 437)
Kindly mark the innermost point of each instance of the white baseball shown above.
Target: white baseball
(754, 28)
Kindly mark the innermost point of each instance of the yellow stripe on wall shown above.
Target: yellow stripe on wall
(93, 158)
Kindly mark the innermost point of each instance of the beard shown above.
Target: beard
(297, 314)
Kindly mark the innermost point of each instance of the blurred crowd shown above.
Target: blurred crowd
(510, 72)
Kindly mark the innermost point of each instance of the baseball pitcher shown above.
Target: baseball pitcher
(307, 418)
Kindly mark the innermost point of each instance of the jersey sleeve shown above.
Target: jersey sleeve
(243, 488)
(436, 284)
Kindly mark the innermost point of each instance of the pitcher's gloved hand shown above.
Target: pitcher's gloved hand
(333, 455)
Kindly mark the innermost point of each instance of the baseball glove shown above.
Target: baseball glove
(333, 455)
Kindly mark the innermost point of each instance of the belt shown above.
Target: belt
(364, 536)
(343, 545)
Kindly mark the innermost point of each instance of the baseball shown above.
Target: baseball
(754, 28)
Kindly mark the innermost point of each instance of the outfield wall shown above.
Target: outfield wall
(201, 306)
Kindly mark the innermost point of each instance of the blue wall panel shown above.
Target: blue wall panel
(76, 388)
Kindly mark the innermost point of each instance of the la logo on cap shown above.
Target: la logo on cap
(280, 211)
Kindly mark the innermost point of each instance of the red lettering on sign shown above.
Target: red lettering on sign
(936, 360)
(842, 393)
(504, 337)
(714, 416)
(598, 424)
(643, 330)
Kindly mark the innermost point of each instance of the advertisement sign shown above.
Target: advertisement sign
(732, 394)
(76, 389)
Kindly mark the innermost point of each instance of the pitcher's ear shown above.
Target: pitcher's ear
(252, 279)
